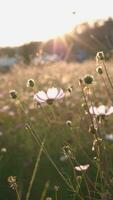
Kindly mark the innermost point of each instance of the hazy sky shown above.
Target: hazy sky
(23, 21)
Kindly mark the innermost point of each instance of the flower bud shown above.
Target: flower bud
(99, 70)
(100, 55)
(88, 79)
(30, 83)
(13, 94)
(69, 123)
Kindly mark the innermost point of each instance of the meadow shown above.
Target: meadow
(58, 151)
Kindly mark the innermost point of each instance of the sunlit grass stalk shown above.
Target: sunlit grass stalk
(45, 190)
(107, 74)
(17, 193)
(107, 90)
(38, 141)
(35, 169)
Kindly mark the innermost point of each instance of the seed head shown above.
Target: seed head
(13, 94)
(99, 70)
(30, 83)
(88, 79)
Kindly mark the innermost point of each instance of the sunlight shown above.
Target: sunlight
(23, 21)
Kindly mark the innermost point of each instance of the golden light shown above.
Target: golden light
(23, 21)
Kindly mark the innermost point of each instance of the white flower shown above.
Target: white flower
(109, 137)
(101, 110)
(51, 95)
(82, 167)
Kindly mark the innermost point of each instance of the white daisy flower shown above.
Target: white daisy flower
(101, 110)
(51, 95)
(82, 167)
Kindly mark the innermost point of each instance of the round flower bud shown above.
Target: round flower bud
(99, 70)
(30, 83)
(88, 79)
(13, 94)
(100, 55)
(69, 123)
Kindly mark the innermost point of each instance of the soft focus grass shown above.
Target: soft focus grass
(21, 148)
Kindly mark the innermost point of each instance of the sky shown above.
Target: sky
(23, 21)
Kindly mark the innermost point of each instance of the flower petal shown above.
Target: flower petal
(82, 167)
(93, 110)
(110, 111)
(60, 94)
(40, 96)
(52, 93)
(102, 110)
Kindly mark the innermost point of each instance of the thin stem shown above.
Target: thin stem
(37, 140)
(17, 193)
(35, 169)
(107, 90)
(44, 191)
(107, 74)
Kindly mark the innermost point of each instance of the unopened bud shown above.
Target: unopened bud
(99, 70)
(30, 83)
(88, 79)
(69, 123)
(13, 94)
(100, 55)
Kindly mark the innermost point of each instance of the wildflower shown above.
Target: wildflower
(99, 70)
(101, 110)
(13, 94)
(100, 55)
(88, 79)
(49, 97)
(109, 137)
(82, 167)
(30, 83)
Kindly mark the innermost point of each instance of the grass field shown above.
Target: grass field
(65, 126)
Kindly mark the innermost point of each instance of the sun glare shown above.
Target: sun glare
(23, 21)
